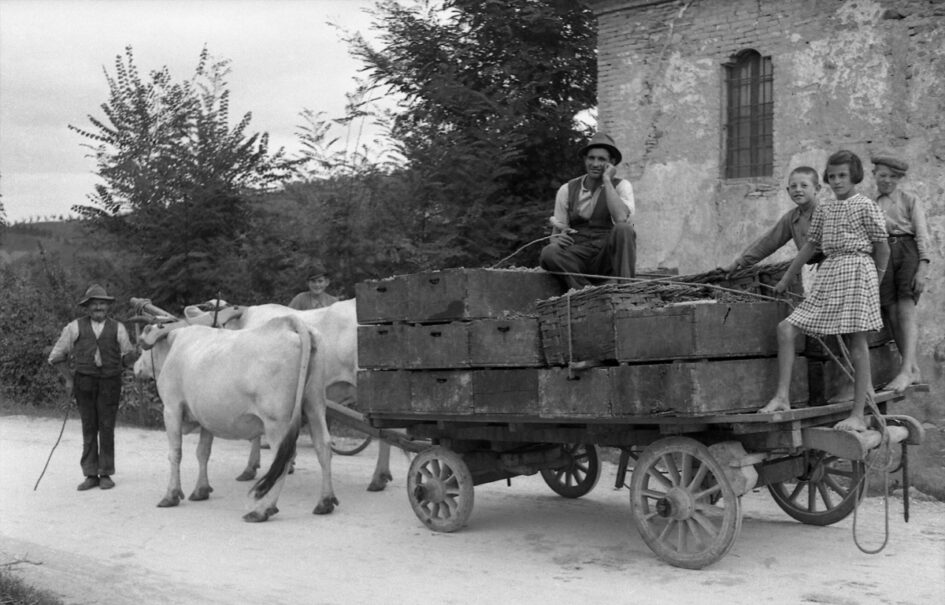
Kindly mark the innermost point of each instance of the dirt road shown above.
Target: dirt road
(523, 544)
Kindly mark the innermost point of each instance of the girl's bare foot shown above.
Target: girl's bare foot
(856, 424)
(900, 382)
(778, 404)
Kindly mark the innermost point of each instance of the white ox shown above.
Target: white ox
(337, 326)
(238, 385)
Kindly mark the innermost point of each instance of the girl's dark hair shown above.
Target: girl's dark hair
(809, 172)
(850, 159)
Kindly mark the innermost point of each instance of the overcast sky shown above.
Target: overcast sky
(285, 57)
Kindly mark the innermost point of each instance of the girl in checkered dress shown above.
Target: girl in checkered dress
(851, 231)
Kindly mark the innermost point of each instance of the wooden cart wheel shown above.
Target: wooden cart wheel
(682, 504)
(440, 489)
(346, 440)
(825, 493)
(580, 475)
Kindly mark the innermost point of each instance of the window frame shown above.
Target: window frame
(748, 116)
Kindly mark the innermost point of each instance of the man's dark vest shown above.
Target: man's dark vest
(107, 344)
(600, 218)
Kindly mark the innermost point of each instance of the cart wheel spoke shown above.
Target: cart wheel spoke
(841, 490)
(706, 524)
(699, 478)
(825, 495)
(715, 489)
(669, 463)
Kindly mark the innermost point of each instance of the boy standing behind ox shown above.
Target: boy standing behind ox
(851, 231)
(908, 267)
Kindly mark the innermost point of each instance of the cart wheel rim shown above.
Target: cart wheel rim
(682, 504)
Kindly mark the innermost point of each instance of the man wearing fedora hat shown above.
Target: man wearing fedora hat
(315, 297)
(99, 346)
(592, 226)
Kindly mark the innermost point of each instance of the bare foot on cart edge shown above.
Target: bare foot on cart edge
(777, 404)
(900, 382)
(855, 424)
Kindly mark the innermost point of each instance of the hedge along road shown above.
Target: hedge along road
(523, 544)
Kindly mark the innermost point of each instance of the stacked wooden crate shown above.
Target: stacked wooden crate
(504, 343)
(671, 348)
(452, 342)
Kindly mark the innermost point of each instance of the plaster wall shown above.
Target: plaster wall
(862, 75)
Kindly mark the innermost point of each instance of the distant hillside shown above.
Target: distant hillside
(65, 238)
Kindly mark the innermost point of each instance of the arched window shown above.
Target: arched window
(749, 145)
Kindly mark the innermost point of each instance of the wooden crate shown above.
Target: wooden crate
(827, 379)
(382, 346)
(585, 394)
(505, 343)
(477, 293)
(502, 392)
(613, 330)
(435, 346)
(383, 391)
(448, 392)
(480, 343)
(381, 300)
(687, 388)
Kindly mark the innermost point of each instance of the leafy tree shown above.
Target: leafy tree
(179, 182)
(491, 89)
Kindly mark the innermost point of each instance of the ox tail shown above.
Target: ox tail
(285, 454)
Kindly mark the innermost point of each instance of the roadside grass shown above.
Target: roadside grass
(14, 591)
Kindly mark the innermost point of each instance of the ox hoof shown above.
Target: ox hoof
(172, 500)
(201, 493)
(325, 506)
(272, 510)
(247, 475)
(255, 516)
(380, 482)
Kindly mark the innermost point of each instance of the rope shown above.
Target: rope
(531, 243)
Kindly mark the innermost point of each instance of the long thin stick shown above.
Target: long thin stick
(55, 445)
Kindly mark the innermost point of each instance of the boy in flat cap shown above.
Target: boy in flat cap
(100, 347)
(593, 220)
(908, 268)
(315, 297)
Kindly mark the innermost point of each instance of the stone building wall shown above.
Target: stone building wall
(855, 74)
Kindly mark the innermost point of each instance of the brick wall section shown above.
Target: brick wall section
(856, 74)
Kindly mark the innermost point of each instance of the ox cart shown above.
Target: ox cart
(488, 375)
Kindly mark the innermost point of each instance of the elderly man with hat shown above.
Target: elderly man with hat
(315, 297)
(99, 347)
(593, 221)
(909, 258)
